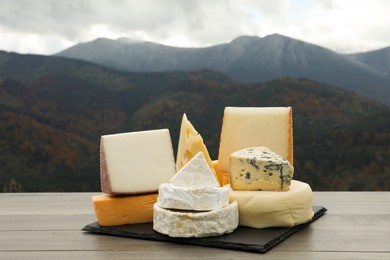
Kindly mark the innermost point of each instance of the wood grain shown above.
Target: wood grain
(48, 225)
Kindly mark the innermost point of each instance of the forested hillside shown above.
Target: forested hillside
(53, 112)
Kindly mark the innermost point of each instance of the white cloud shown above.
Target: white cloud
(32, 43)
(47, 26)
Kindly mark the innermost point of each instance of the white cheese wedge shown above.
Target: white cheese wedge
(198, 199)
(245, 127)
(262, 209)
(195, 174)
(258, 168)
(136, 162)
(190, 143)
(194, 187)
(195, 224)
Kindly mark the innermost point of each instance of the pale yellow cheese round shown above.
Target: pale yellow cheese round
(261, 209)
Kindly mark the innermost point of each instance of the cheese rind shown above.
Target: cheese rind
(121, 210)
(199, 199)
(194, 187)
(195, 224)
(195, 174)
(136, 162)
(258, 168)
(262, 209)
(190, 143)
(256, 126)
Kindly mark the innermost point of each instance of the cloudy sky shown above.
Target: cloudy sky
(49, 26)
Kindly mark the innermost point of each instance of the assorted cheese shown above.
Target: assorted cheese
(258, 168)
(249, 185)
(137, 162)
(121, 210)
(132, 165)
(261, 209)
(194, 197)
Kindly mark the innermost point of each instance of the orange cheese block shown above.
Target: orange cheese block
(121, 210)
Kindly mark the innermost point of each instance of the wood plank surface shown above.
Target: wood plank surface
(48, 225)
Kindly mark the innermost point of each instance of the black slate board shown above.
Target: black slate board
(243, 238)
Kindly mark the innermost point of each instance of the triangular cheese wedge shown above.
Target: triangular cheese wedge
(195, 174)
(190, 143)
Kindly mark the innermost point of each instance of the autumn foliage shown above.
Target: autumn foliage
(51, 120)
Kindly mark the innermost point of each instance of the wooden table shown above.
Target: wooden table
(48, 226)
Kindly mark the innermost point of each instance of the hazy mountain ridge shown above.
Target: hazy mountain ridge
(247, 59)
(378, 60)
(51, 120)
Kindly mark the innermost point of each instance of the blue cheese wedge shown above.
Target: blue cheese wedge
(259, 168)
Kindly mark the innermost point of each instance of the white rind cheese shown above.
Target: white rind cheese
(195, 174)
(195, 224)
(200, 199)
(262, 209)
(256, 126)
(194, 187)
(258, 168)
(136, 162)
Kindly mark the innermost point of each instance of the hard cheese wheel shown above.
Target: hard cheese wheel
(195, 224)
(261, 209)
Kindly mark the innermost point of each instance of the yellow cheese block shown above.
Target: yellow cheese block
(190, 143)
(245, 127)
(121, 210)
(222, 176)
(262, 209)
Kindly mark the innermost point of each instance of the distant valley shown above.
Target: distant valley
(53, 111)
(249, 59)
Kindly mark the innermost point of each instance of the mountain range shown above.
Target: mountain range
(379, 60)
(249, 59)
(53, 111)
